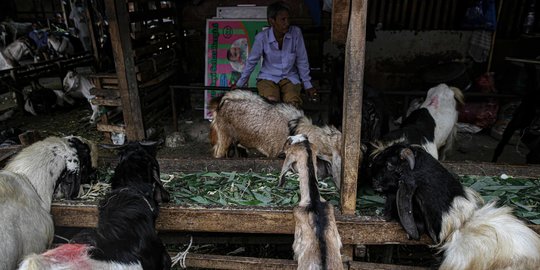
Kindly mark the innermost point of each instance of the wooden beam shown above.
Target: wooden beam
(340, 20)
(352, 105)
(208, 261)
(354, 230)
(125, 68)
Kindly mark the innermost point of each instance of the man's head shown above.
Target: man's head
(278, 17)
(234, 54)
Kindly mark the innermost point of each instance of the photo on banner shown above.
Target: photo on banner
(228, 42)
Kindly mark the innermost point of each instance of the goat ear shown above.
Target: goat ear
(160, 193)
(287, 166)
(405, 208)
(407, 154)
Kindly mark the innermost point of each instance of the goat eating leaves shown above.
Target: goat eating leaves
(426, 197)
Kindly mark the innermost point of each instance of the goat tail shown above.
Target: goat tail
(214, 103)
(491, 238)
(458, 95)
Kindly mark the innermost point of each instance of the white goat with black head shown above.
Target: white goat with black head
(425, 197)
(125, 238)
(245, 118)
(78, 86)
(316, 239)
(27, 184)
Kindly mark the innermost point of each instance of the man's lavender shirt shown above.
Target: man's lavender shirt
(291, 62)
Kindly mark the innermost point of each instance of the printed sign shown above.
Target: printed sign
(228, 42)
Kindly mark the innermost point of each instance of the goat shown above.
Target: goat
(317, 242)
(78, 86)
(442, 102)
(27, 184)
(246, 118)
(242, 117)
(426, 197)
(125, 237)
(138, 164)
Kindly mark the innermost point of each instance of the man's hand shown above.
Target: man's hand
(312, 94)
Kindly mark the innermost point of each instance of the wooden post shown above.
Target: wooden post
(352, 104)
(125, 68)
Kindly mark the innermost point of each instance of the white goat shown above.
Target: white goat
(245, 118)
(78, 86)
(27, 185)
(317, 242)
(441, 102)
(425, 197)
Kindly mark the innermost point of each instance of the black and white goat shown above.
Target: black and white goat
(125, 238)
(316, 239)
(425, 197)
(245, 118)
(432, 124)
(27, 184)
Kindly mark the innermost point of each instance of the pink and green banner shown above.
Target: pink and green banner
(228, 42)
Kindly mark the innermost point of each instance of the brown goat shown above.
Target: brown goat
(317, 242)
(242, 117)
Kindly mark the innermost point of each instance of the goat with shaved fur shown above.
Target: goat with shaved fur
(425, 197)
(125, 237)
(442, 102)
(245, 118)
(27, 185)
(316, 239)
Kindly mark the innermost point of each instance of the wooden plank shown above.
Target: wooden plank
(371, 266)
(105, 93)
(340, 21)
(110, 128)
(106, 102)
(206, 261)
(174, 218)
(209, 261)
(125, 67)
(352, 99)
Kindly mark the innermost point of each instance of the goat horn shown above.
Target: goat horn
(408, 155)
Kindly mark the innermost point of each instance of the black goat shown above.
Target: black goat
(137, 165)
(426, 197)
(125, 237)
